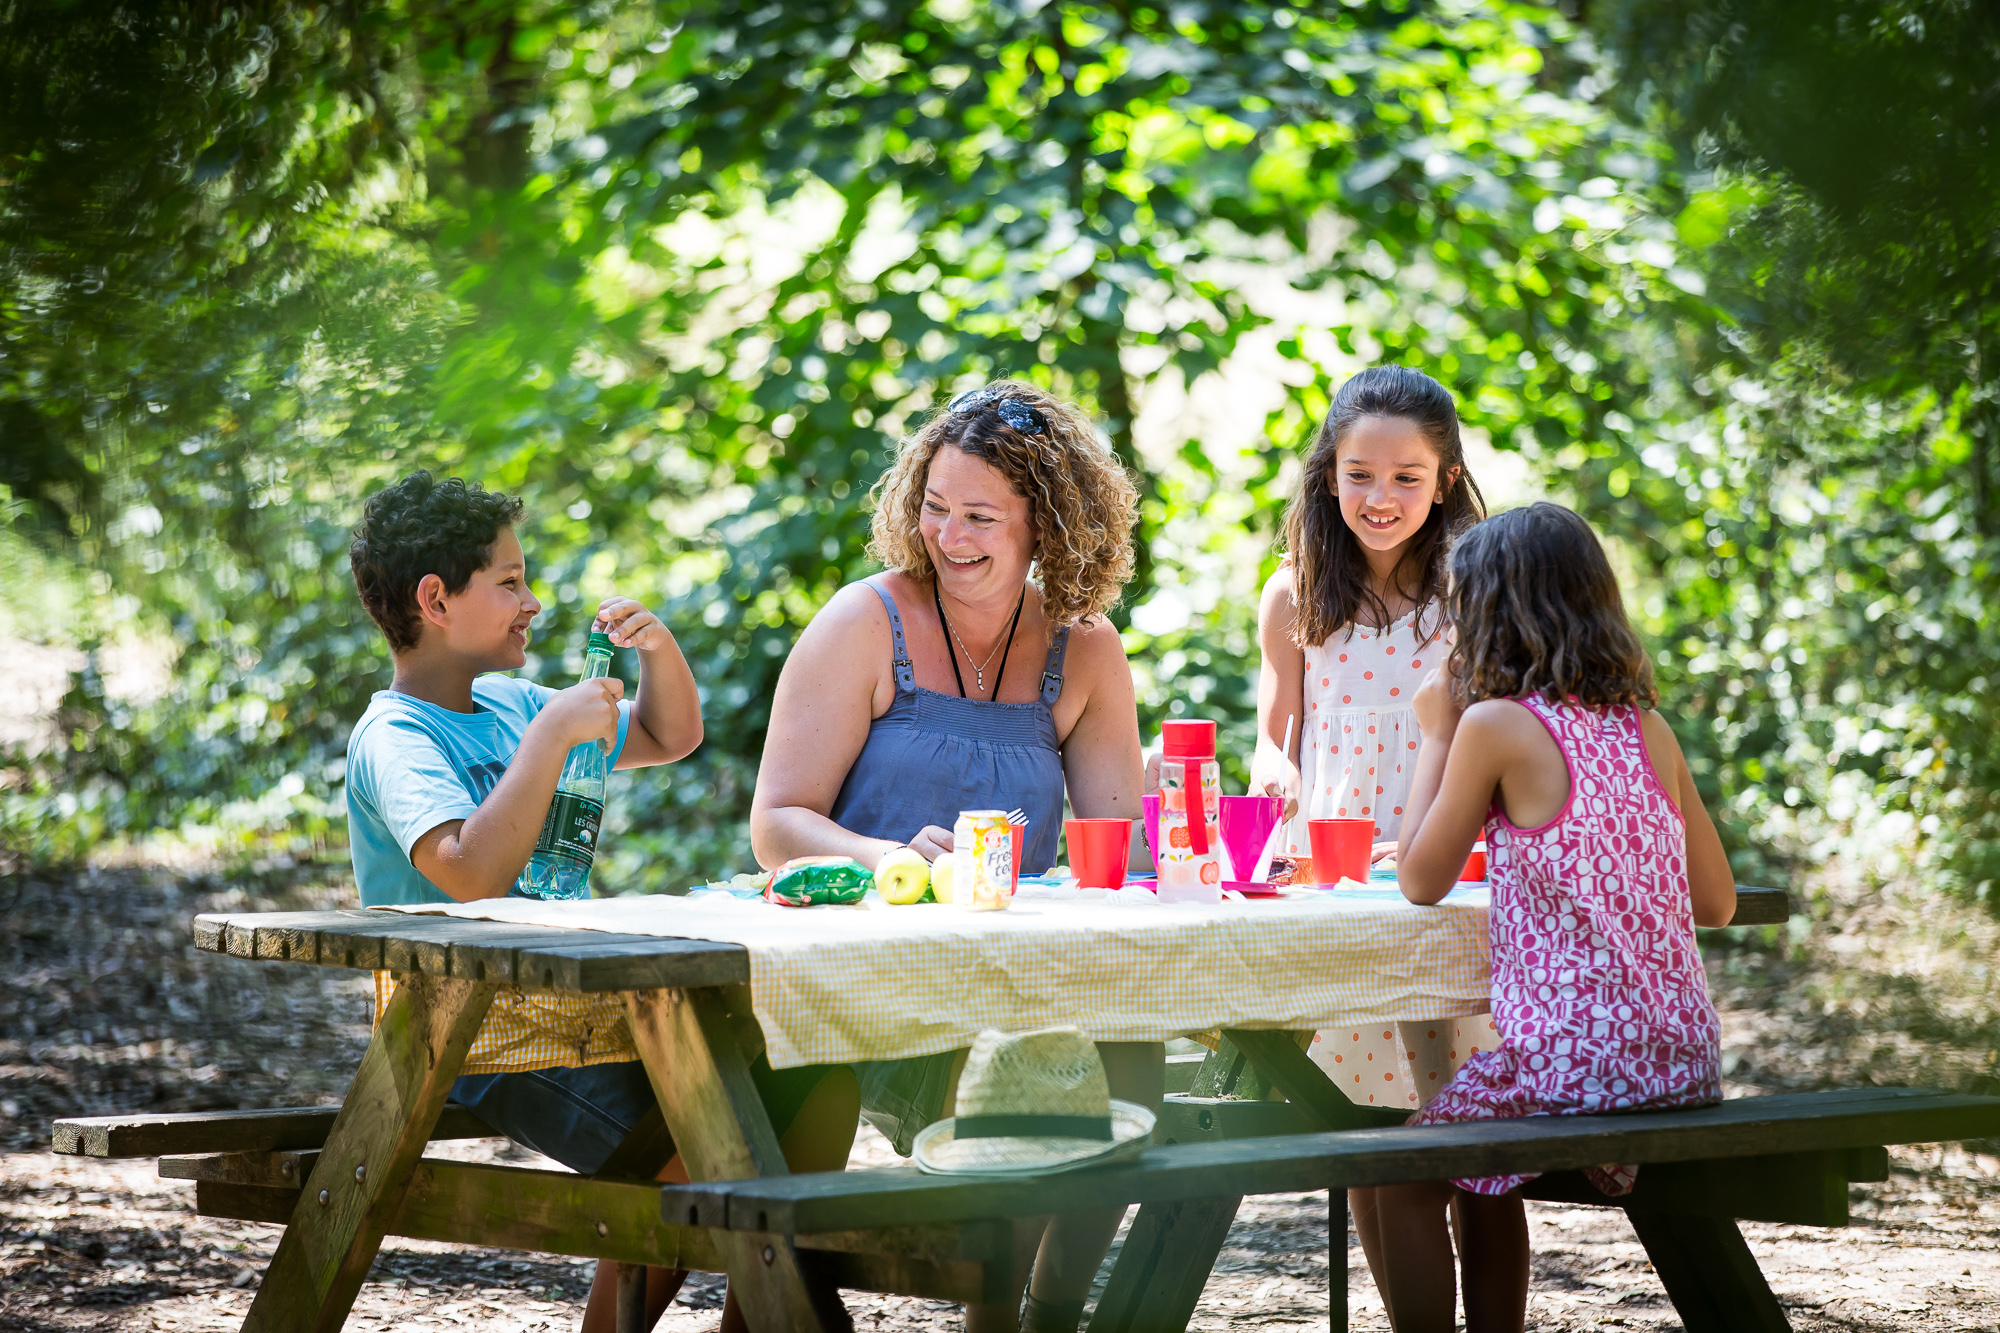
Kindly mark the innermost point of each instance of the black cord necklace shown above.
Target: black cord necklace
(950, 638)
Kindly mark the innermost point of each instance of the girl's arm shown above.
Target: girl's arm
(1102, 766)
(1457, 771)
(1280, 694)
(1711, 883)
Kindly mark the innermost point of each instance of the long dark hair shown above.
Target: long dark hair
(1329, 568)
(1538, 611)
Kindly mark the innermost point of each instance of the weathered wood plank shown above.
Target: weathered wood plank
(1709, 1273)
(1746, 1127)
(442, 1190)
(1761, 907)
(434, 1208)
(1803, 1189)
(658, 963)
(1181, 1072)
(1281, 1060)
(1185, 1118)
(494, 955)
(1163, 1266)
(701, 1076)
(226, 1131)
(369, 1155)
(540, 957)
(265, 1170)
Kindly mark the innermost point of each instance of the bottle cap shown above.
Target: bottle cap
(600, 642)
(1189, 739)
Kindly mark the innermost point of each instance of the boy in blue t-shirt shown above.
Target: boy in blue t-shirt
(450, 773)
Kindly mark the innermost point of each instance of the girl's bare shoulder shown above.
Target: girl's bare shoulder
(1504, 722)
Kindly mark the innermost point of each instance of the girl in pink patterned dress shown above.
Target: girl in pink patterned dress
(1601, 861)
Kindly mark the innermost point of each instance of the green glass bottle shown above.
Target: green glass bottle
(560, 866)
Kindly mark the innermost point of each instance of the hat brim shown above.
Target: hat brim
(940, 1151)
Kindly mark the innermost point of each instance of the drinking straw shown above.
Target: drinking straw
(1263, 866)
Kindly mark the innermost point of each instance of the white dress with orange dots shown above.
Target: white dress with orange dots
(1357, 759)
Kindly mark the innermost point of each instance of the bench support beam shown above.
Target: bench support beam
(1164, 1265)
(365, 1167)
(1709, 1273)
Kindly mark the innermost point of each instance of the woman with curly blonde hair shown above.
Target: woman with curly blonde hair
(956, 681)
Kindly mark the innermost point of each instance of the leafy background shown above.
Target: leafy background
(1720, 275)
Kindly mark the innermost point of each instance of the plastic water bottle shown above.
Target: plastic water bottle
(560, 866)
(1190, 852)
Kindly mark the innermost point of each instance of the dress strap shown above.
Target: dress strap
(1052, 678)
(906, 674)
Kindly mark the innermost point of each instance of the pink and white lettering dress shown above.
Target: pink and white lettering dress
(1599, 999)
(1357, 757)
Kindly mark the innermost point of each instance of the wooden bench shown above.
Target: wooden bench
(254, 1165)
(1785, 1158)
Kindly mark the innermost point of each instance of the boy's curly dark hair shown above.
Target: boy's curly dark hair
(422, 526)
(1537, 611)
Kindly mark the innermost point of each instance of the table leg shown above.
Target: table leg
(1279, 1059)
(688, 1040)
(1336, 1260)
(631, 1299)
(358, 1183)
(1163, 1266)
(1709, 1273)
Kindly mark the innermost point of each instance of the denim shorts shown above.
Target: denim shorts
(579, 1116)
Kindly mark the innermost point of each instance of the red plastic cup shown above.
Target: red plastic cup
(1475, 865)
(1098, 851)
(1342, 848)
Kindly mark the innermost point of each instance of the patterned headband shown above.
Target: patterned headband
(1023, 417)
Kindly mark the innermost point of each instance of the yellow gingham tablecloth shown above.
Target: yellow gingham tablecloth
(873, 982)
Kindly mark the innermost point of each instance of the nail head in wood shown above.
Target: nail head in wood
(324, 1198)
(603, 1228)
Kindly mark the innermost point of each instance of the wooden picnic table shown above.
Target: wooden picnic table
(693, 1027)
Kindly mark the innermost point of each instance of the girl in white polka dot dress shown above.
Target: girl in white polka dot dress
(1350, 625)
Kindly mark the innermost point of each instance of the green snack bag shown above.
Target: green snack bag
(806, 881)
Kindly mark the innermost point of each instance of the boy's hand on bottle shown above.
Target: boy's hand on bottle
(1437, 711)
(586, 711)
(631, 625)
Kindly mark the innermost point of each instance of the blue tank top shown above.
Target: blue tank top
(932, 755)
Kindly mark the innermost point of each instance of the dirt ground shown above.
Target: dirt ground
(106, 1007)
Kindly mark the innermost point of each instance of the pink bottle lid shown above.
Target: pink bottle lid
(1189, 739)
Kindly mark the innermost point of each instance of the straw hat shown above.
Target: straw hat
(1032, 1101)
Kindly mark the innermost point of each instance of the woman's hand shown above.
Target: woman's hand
(932, 842)
(1272, 773)
(1437, 711)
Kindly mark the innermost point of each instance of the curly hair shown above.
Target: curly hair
(422, 526)
(1330, 582)
(1081, 502)
(1537, 610)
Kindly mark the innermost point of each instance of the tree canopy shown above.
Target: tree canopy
(680, 274)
